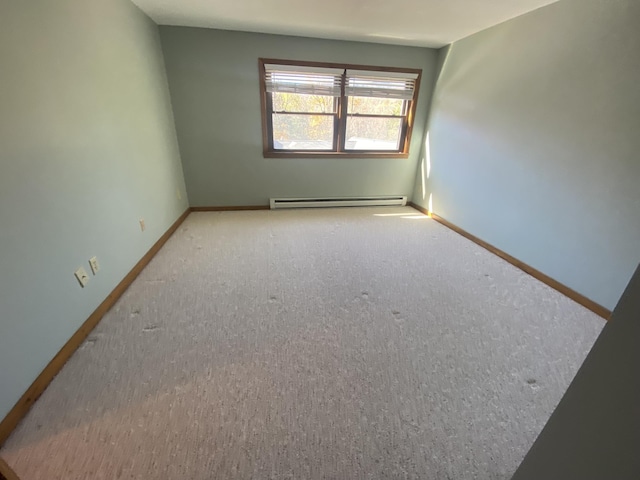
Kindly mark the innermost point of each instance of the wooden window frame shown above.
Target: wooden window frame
(340, 117)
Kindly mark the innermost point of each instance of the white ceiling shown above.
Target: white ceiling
(426, 23)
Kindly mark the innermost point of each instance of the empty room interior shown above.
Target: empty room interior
(319, 240)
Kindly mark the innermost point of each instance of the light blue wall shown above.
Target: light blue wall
(213, 76)
(534, 143)
(87, 147)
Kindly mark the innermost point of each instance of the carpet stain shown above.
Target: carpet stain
(273, 299)
(531, 381)
(89, 342)
(365, 295)
(150, 328)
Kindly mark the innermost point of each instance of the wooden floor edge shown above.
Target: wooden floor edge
(230, 208)
(6, 472)
(20, 409)
(544, 278)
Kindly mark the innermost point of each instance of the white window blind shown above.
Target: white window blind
(368, 83)
(304, 80)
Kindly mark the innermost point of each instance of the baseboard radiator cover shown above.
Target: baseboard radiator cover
(324, 202)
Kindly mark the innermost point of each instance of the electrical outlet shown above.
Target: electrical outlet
(178, 194)
(81, 275)
(142, 225)
(93, 263)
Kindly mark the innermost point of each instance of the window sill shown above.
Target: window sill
(303, 154)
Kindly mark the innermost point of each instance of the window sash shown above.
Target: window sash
(401, 134)
(270, 112)
(331, 140)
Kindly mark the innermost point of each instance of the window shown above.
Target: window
(319, 109)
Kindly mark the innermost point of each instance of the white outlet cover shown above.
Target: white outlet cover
(93, 263)
(82, 276)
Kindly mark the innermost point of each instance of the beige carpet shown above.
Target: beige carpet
(368, 343)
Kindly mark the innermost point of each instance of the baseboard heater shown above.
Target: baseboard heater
(276, 203)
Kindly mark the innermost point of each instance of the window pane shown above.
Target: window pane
(370, 133)
(302, 132)
(376, 106)
(296, 102)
